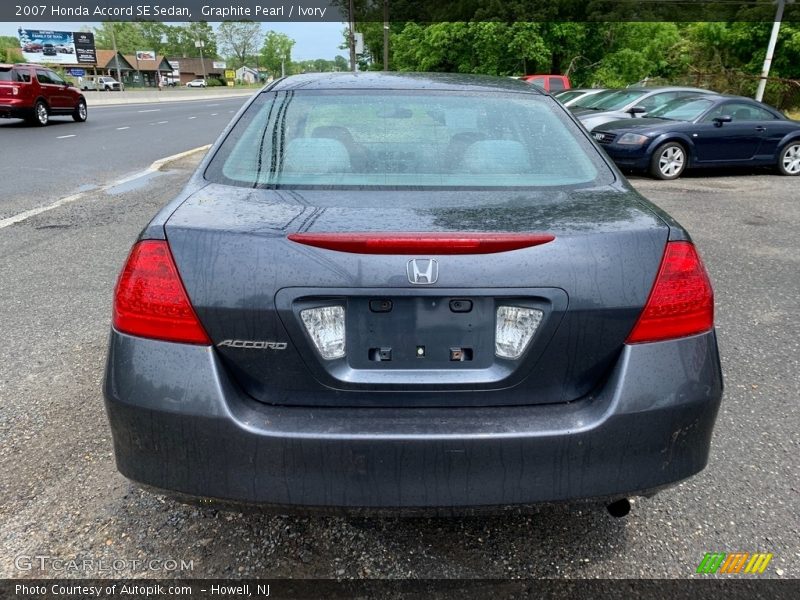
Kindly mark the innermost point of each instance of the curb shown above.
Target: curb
(120, 99)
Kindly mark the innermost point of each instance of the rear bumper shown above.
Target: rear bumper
(10, 110)
(180, 424)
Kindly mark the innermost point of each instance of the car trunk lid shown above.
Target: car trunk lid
(249, 283)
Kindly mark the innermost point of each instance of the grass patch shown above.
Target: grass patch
(793, 114)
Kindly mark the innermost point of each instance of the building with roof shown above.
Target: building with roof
(188, 69)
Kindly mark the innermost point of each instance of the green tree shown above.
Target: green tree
(151, 33)
(8, 41)
(276, 50)
(238, 40)
(181, 40)
(128, 36)
(340, 63)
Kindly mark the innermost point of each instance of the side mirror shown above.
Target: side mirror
(718, 121)
(637, 110)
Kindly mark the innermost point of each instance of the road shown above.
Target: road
(60, 495)
(67, 157)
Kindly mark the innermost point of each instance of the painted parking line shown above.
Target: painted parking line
(63, 137)
(149, 110)
(121, 128)
(162, 122)
(214, 114)
(192, 118)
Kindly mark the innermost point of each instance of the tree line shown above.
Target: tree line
(724, 56)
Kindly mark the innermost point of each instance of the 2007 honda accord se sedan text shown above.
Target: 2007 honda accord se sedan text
(408, 291)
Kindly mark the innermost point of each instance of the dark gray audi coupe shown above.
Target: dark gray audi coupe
(411, 291)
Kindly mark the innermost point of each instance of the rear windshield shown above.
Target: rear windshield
(567, 96)
(13, 75)
(616, 100)
(406, 139)
(593, 99)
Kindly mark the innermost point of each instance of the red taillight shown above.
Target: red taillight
(421, 243)
(681, 302)
(150, 300)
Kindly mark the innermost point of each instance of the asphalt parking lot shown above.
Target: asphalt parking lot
(61, 497)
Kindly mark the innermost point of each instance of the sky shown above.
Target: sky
(314, 40)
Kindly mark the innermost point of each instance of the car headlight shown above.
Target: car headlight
(632, 139)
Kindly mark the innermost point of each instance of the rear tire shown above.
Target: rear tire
(41, 114)
(668, 161)
(81, 113)
(789, 159)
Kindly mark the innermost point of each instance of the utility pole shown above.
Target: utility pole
(116, 53)
(201, 44)
(773, 40)
(352, 38)
(385, 35)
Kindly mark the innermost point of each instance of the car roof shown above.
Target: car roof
(403, 81)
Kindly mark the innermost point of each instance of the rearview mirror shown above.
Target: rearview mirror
(718, 121)
(637, 110)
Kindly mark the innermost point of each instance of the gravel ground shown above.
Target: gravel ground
(60, 495)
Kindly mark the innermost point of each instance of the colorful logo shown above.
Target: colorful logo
(737, 562)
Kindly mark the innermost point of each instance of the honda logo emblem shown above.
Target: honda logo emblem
(423, 271)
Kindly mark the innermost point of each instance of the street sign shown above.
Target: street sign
(230, 74)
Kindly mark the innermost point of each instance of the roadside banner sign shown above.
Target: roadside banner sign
(77, 72)
(145, 55)
(57, 47)
(219, 64)
(230, 74)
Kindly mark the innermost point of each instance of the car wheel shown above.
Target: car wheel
(669, 161)
(81, 112)
(41, 115)
(789, 159)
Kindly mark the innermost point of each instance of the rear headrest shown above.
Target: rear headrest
(316, 155)
(333, 132)
(496, 156)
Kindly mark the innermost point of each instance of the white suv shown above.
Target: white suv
(197, 83)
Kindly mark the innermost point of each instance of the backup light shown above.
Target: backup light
(325, 325)
(514, 330)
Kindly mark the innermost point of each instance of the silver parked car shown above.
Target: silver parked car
(628, 103)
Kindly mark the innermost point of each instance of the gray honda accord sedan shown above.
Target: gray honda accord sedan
(411, 291)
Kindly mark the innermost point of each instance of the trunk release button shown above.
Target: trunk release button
(460, 305)
(381, 305)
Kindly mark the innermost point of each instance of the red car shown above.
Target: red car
(549, 83)
(36, 93)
